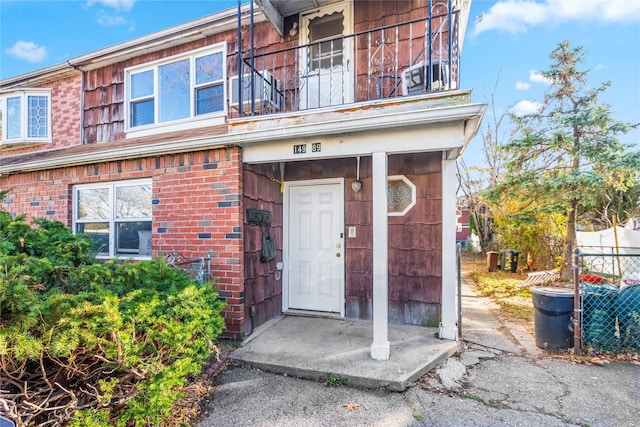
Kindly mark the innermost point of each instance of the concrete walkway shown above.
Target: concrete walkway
(482, 325)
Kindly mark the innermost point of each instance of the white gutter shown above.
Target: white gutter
(469, 112)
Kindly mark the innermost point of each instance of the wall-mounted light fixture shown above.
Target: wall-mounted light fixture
(357, 184)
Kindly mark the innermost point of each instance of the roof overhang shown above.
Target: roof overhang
(277, 10)
(467, 117)
(447, 129)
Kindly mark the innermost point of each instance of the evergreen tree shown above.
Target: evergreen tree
(561, 157)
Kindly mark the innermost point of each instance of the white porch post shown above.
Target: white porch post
(448, 325)
(380, 347)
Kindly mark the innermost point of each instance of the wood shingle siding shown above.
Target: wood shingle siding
(263, 290)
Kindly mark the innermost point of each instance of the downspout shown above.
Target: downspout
(450, 49)
(239, 50)
(82, 83)
(430, 58)
(459, 267)
(251, 59)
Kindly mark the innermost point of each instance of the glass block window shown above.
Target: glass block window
(178, 88)
(401, 195)
(26, 116)
(117, 216)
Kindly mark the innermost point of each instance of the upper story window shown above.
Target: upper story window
(116, 215)
(326, 54)
(26, 116)
(177, 90)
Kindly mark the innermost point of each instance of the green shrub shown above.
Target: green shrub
(95, 343)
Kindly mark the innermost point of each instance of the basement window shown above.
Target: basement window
(401, 195)
(117, 217)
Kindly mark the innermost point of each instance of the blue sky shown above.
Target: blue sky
(507, 43)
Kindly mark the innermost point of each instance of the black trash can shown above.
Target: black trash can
(552, 317)
(509, 260)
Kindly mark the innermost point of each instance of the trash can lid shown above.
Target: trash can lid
(552, 291)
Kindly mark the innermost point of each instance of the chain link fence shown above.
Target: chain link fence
(610, 290)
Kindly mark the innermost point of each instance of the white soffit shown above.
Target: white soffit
(277, 10)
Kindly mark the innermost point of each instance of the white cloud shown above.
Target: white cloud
(536, 77)
(514, 16)
(522, 85)
(525, 107)
(117, 5)
(27, 50)
(107, 20)
(111, 16)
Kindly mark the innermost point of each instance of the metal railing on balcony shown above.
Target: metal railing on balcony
(409, 58)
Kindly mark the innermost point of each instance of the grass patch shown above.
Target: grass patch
(333, 381)
(476, 398)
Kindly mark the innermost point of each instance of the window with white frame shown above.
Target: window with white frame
(401, 195)
(177, 89)
(26, 116)
(116, 215)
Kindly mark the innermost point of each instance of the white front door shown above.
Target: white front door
(326, 66)
(315, 246)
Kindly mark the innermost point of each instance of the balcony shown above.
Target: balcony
(391, 62)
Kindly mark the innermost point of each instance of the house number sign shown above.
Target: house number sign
(302, 148)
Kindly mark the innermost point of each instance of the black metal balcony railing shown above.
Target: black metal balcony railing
(419, 56)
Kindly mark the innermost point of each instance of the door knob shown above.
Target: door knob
(338, 254)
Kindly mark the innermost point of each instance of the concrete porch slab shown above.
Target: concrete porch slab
(312, 347)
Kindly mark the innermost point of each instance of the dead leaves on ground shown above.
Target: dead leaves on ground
(352, 406)
(601, 359)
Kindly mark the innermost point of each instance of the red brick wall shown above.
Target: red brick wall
(65, 117)
(197, 208)
(39, 194)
